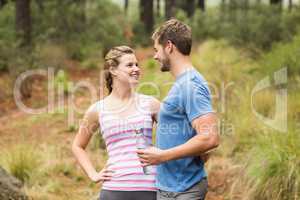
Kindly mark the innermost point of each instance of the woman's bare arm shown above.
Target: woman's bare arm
(88, 126)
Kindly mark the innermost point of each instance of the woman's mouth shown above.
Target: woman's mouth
(135, 75)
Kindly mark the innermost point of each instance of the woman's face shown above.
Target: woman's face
(128, 70)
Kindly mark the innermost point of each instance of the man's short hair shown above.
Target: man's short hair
(177, 32)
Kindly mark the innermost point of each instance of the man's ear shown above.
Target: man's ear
(169, 47)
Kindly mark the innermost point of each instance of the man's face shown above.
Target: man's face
(161, 56)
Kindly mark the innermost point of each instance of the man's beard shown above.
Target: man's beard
(165, 65)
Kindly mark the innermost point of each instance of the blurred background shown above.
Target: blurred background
(238, 45)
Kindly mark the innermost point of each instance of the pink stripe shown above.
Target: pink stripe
(127, 131)
(124, 138)
(134, 174)
(122, 153)
(132, 188)
(122, 146)
(118, 125)
(122, 160)
(133, 181)
(126, 167)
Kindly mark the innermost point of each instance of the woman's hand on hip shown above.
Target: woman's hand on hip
(104, 175)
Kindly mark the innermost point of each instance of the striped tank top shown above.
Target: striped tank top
(119, 135)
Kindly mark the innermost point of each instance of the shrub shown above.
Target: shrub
(274, 166)
(283, 55)
(21, 161)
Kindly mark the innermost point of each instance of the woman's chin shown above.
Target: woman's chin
(134, 82)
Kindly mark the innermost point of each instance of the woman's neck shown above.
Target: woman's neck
(122, 91)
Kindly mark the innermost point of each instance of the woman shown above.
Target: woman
(119, 116)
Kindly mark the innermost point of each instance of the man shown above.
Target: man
(187, 125)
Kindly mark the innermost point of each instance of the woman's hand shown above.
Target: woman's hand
(104, 175)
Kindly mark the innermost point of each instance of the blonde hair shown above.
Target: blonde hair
(112, 60)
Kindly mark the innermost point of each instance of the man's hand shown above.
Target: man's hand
(151, 156)
(204, 157)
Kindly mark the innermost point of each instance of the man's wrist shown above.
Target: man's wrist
(166, 155)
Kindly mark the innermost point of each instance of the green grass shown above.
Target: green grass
(273, 167)
(21, 161)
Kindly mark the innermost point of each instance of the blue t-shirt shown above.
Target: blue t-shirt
(188, 99)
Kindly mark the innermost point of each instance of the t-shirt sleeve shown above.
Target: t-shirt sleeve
(197, 99)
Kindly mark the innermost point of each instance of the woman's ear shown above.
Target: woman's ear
(112, 70)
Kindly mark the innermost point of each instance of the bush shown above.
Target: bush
(21, 161)
(274, 166)
(61, 80)
(257, 27)
(283, 55)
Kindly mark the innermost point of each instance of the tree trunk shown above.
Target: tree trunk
(223, 6)
(188, 6)
(2, 3)
(223, 12)
(276, 3)
(201, 5)
(23, 22)
(233, 4)
(170, 8)
(146, 14)
(290, 5)
(158, 8)
(126, 3)
(23, 32)
(40, 4)
(81, 24)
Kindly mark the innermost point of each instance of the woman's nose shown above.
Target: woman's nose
(136, 68)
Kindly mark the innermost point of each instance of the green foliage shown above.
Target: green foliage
(21, 161)
(257, 27)
(274, 166)
(61, 81)
(140, 36)
(64, 169)
(283, 55)
(151, 64)
(80, 29)
(50, 55)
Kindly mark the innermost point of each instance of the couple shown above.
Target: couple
(186, 125)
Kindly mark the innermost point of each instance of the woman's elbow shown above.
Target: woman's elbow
(75, 147)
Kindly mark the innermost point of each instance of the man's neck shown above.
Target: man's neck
(180, 65)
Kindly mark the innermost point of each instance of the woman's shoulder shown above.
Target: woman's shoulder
(95, 108)
(150, 102)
